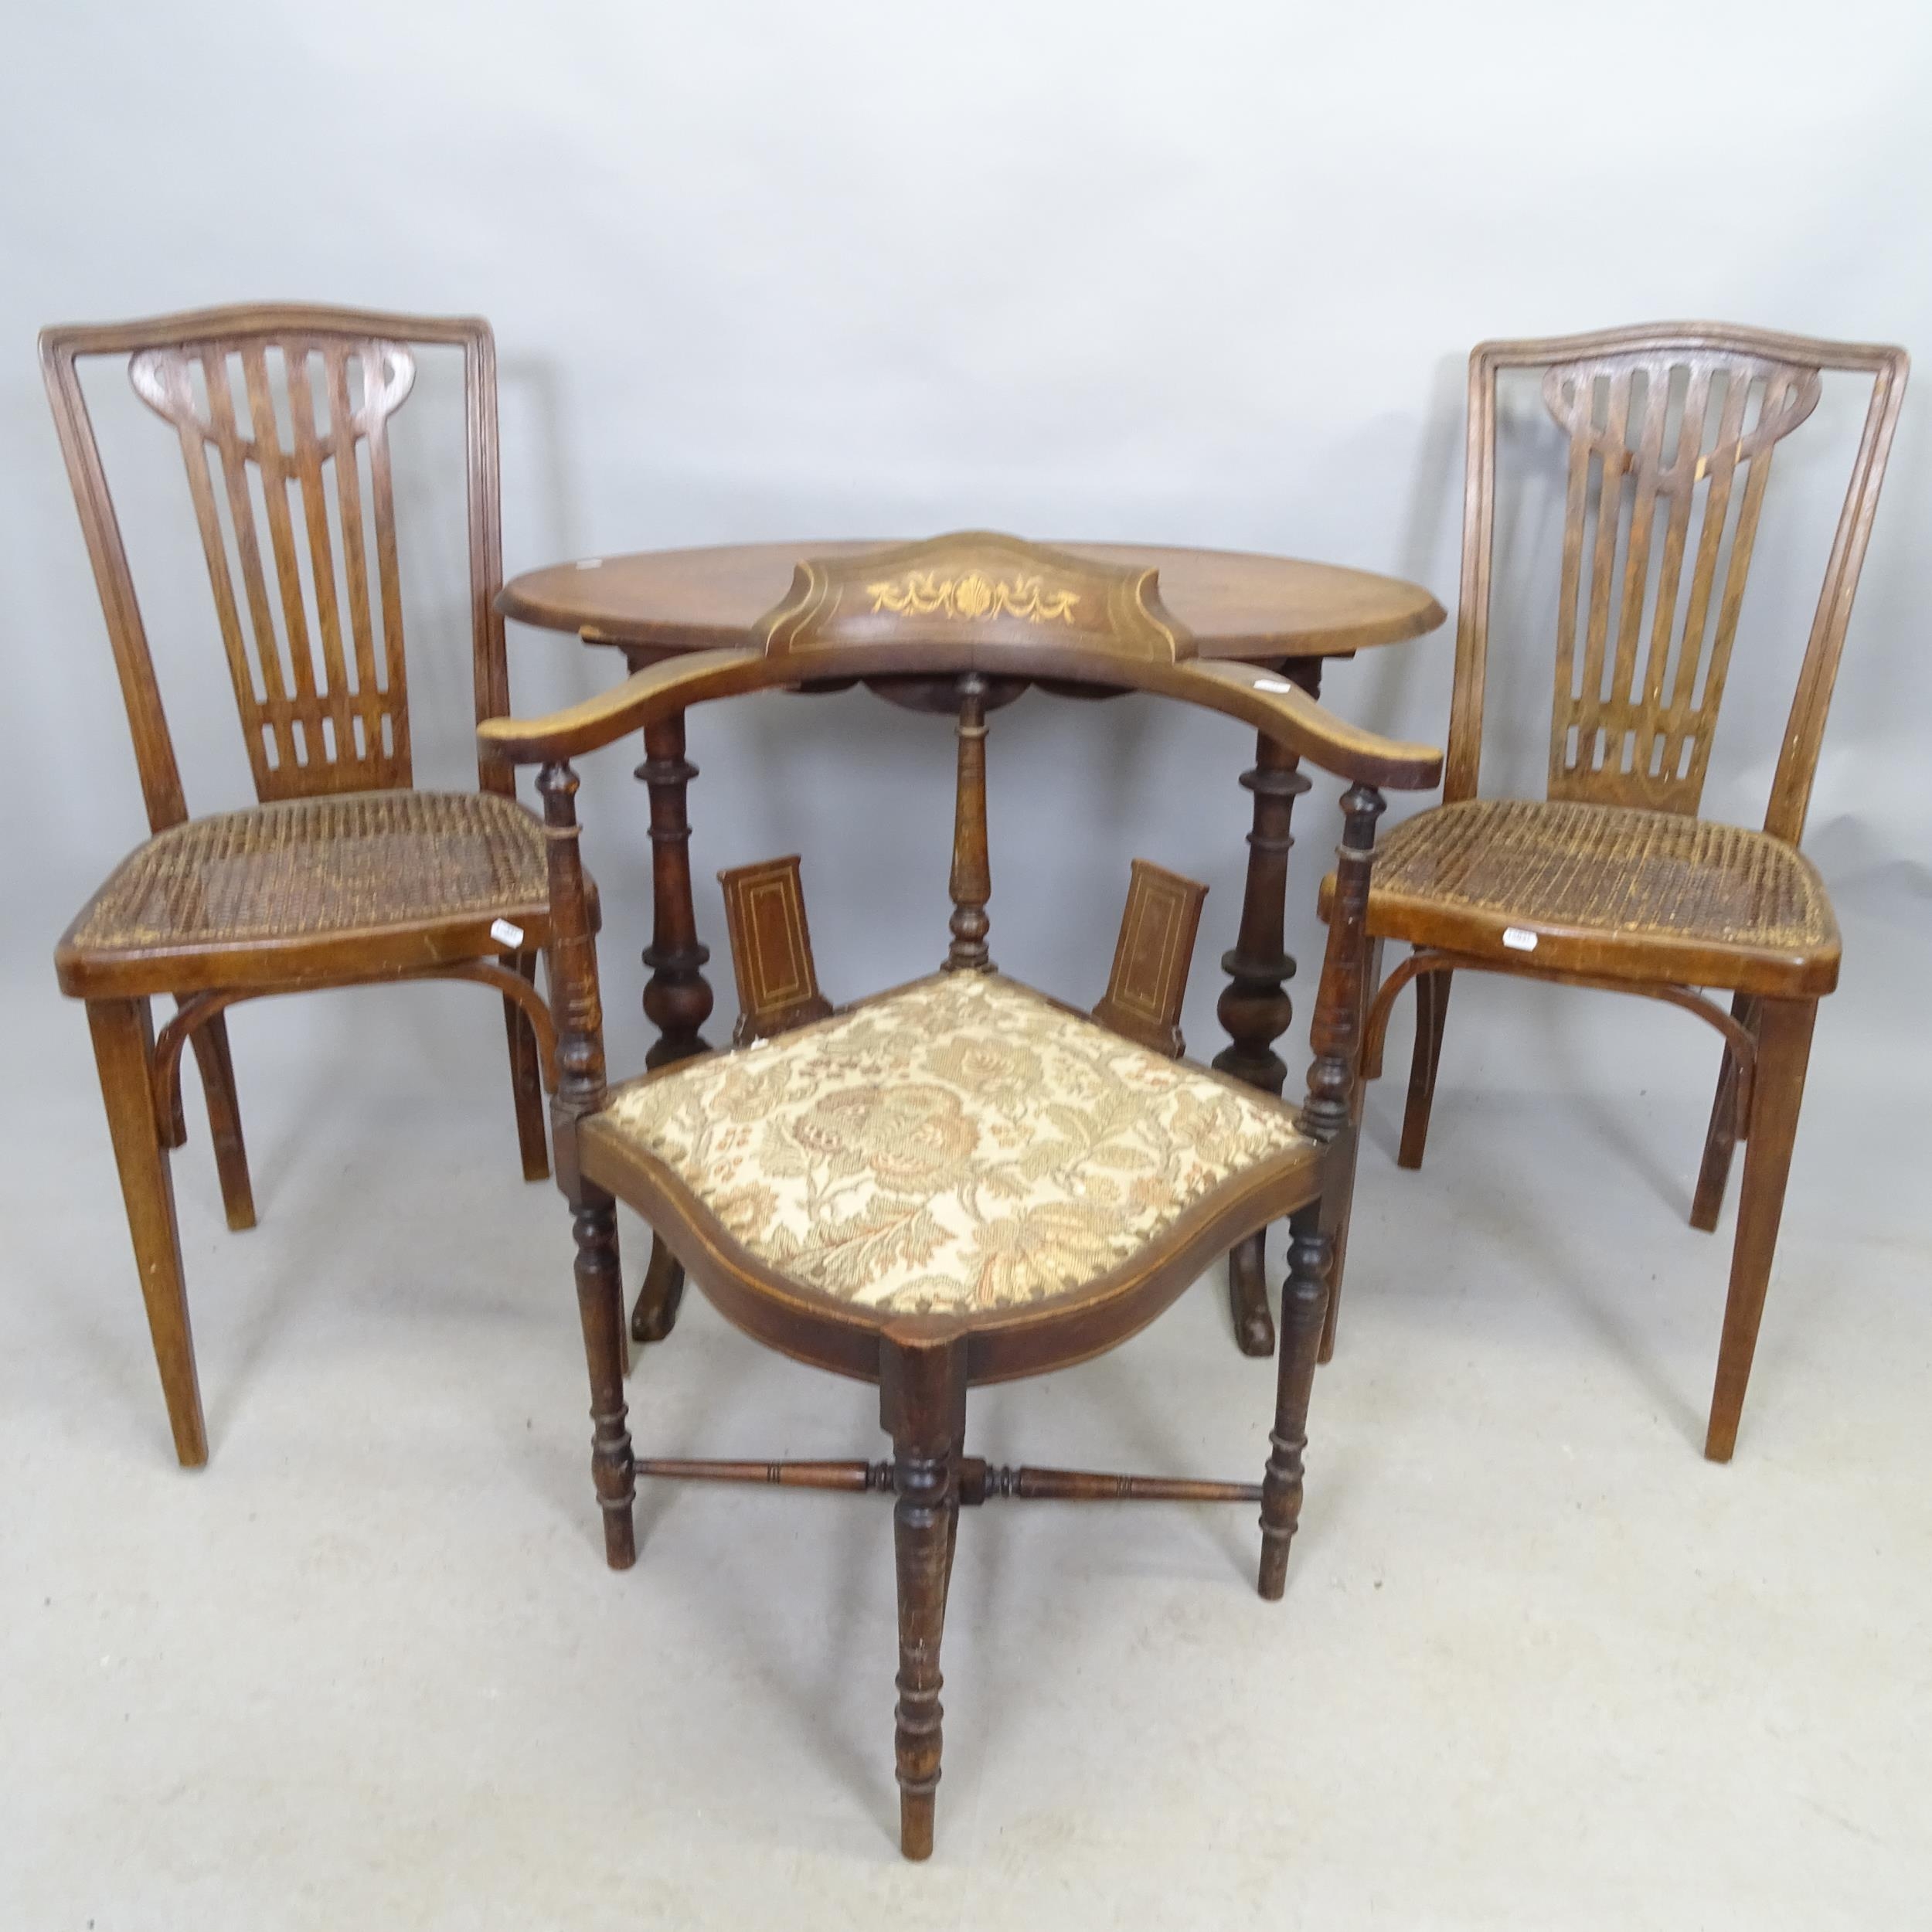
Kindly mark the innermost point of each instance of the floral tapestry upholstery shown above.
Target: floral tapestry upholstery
(961, 1143)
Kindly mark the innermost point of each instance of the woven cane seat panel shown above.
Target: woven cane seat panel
(307, 867)
(961, 1144)
(1612, 868)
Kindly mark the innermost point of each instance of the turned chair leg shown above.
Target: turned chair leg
(526, 1080)
(1721, 1136)
(1337, 1202)
(123, 1051)
(921, 1405)
(210, 1043)
(1432, 1008)
(1304, 1297)
(600, 1308)
(1777, 1091)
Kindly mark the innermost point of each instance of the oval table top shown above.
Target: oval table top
(1236, 602)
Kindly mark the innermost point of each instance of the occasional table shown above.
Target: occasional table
(1276, 611)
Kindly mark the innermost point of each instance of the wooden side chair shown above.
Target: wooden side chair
(959, 1181)
(1613, 880)
(342, 873)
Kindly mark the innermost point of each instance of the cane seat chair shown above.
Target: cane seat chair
(342, 873)
(959, 1181)
(1613, 880)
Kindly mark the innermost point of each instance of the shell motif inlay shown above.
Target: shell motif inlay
(924, 594)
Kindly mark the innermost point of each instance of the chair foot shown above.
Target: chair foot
(1304, 1297)
(600, 1308)
(1432, 1010)
(1777, 1091)
(922, 1404)
(123, 1051)
(654, 1314)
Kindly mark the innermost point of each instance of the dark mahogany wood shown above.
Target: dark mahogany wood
(1255, 1008)
(1281, 614)
(977, 607)
(677, 996)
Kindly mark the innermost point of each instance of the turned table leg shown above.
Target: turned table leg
(1255, 1007)
(677, 997)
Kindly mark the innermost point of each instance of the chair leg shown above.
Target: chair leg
(1305, 1296)
(600, 1308)
(1432, 1008)
(123, 1051)
(1777, 1091)
(526, 1081)
(1721, 1136)
(210, 1043)
(1337, 1202)
(922, 1400)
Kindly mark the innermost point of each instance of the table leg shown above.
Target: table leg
(1255, 1007)
(677, 997)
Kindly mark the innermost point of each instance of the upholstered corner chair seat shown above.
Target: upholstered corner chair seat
(961, 1143)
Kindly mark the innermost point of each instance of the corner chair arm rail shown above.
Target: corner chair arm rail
(1250, 692)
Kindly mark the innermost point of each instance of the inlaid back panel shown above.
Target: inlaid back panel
(1669, 453)
(287, 458)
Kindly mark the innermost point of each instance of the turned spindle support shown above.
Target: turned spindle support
(1327, 1115)
(1254, 1007)
(971, 882)
(578, 1012)
(677, 997)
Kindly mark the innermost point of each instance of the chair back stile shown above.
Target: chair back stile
(1670, 431)
(283, 415)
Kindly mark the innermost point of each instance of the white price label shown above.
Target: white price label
(506, 933)
(1518, 940)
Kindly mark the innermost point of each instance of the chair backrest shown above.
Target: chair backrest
(283, 415)
(1670, 430)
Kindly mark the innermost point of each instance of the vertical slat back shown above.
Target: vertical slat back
(282, 412)
(1684, 438)
(316, 718)
(1670, 430)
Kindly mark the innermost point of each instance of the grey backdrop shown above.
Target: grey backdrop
(1186, 275)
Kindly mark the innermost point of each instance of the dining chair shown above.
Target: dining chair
(342, 873)
(959, 1181)
(1613, 880)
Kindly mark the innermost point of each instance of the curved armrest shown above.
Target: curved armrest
(657, 691)
(1287, 714)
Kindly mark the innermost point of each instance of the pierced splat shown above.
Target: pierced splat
(287, 459)
(1669, 452)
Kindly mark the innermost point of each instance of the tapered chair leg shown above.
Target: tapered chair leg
(600, 1308)
(1777, 1091)
(210, 1042)
(922, 1403)
(526, 1081)
(1432, 1009)
(124, 1052)
(1338, 1201)
(1304, 1297)
(1721, 1136)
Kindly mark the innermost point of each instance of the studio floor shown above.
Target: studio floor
(1538, 1665)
